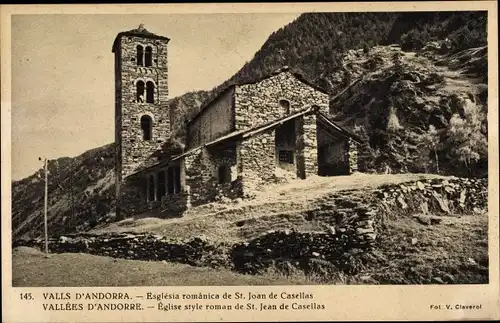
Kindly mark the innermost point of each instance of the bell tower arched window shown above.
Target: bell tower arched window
(285, 106)
(140, 55)
(140, 91)
(147, 127)
(148, 57)
(150, 92)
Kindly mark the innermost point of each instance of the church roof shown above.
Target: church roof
(138, 32)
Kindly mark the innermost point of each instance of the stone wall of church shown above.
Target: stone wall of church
(257, 161)
(203, 176)
(259, 103)
(352, 156)
(214, 121)
(132, 197)
(267, 100)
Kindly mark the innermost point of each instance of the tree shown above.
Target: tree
(429, 141)
(393, 121)
(468, 143)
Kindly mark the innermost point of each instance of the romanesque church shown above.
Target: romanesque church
(269, 131)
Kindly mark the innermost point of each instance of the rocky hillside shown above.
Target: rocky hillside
(419, 111)
(81, 194)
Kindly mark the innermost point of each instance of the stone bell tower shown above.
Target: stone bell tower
(142, 121)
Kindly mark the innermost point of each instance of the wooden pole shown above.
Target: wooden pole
(46, 207)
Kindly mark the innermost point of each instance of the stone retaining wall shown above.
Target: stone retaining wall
(351, 220)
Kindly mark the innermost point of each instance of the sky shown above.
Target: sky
(63, 81)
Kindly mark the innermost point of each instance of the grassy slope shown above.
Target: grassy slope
(275, 207)
(32, 268)
(455, 251)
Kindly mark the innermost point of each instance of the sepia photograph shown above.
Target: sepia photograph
(235, 162)
(250, 149)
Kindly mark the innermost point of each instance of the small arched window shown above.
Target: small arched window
(150, 92)
(285, 106)
(140, 91)
(147, 127)
(140, 55)
(148, 57)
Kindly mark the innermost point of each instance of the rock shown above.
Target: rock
(402, 202)
(315, 254)
(449, 278)
(463, 196)
(63, 239)
(437, 280)
(428, 220)
(448, 189)
(420, 185)
(436, 220)
(423, 220)
(360, 231)
(443, 203)
(471, 261)
(371, 236)
(413, 241)
(366, 223)
(424, 207)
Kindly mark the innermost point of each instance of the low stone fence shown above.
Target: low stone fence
(437, 196)
(297, 249)
(351, 220)
(249, 257)
(196, 251)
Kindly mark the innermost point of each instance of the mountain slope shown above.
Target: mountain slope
(314, 44)
(418, 111)
(81, 194)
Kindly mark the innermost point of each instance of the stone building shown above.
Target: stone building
(268, 131)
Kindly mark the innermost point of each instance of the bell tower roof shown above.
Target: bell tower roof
(141, 31)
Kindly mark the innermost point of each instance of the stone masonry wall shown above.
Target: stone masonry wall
(132, 199)
(310, 146)
(214, 121)
(177, 203)
(257, 161)
(352, 156)
(136, 152)
(257, 104)
(202, 174)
